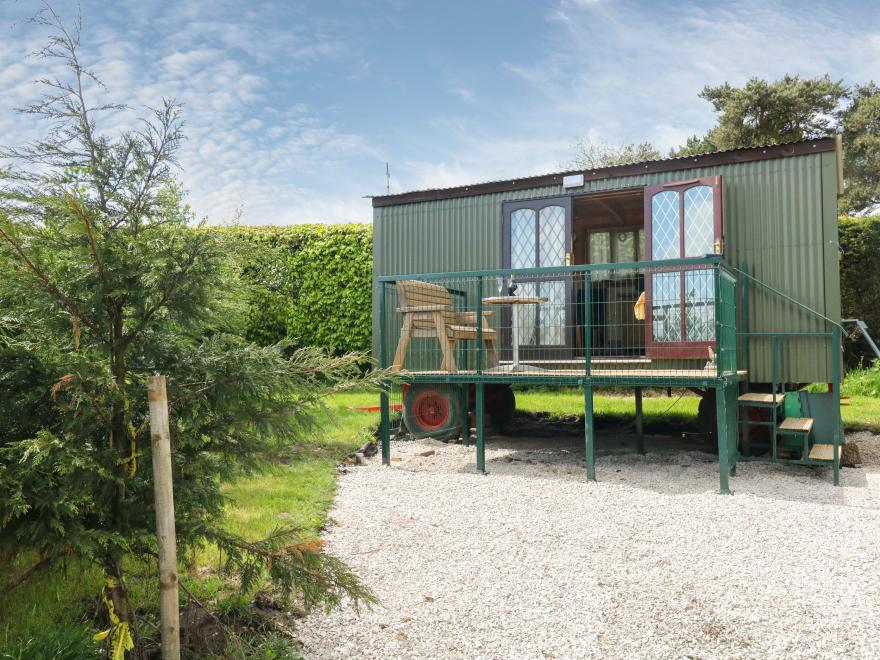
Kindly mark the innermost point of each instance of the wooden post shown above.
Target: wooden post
(385, 423)
(384, 410)
(165, 533)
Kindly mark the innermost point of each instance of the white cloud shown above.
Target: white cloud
(472, 155)
(462, 92)
(217, 59)
(624, 72)
(632, 74)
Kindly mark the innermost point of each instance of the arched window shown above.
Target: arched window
(537, 234)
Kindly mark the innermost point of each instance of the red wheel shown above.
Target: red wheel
(432, 410)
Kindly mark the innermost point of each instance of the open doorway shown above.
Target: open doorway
(609, 228)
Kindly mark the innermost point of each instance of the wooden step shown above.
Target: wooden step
(760, 398)
(823, 452)
(797, 425)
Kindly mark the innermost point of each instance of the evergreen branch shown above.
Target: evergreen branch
(229, 630)
(162, 142)
(70, 44)
(71, 305)
(318, 578)
(93, 246)
(93, 401)
(166, 296)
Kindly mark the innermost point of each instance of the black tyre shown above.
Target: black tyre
(707, 418)
(432, 410)
(500, 404)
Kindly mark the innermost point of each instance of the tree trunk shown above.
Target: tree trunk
(119, 437)
(116, 594)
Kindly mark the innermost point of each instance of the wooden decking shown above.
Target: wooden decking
(646, 374)
(627, 369)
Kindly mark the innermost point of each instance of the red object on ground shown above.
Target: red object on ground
(396, 406)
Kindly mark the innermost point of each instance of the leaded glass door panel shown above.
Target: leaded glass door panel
(537, 234)
(682, 220)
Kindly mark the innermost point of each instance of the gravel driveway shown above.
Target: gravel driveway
(533, 561)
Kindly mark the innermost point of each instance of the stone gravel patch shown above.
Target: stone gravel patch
(533, 561)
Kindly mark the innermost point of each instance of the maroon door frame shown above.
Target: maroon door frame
(679, 349)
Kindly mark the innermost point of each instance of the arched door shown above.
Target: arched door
(682, 219)
(537, 234)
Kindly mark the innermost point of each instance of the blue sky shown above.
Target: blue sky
(292, 109)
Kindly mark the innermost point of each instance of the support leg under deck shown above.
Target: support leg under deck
(384, 425)
(481, 440)
(465, 416)
(640, 431)
(589, 434)
(723, 440)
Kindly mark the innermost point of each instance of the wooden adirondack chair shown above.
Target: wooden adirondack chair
(427, 312)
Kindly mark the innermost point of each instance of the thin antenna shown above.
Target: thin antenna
(387, 178)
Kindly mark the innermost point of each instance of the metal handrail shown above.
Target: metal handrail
(786, 297)
(560, 270)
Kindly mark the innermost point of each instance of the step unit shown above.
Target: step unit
(788, 424)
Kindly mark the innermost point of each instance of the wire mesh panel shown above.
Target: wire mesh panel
(727, 339)
(564, 324)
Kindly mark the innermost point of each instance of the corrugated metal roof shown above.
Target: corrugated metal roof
(762, 152)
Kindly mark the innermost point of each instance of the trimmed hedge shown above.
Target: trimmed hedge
(860, 270)
(311, 283)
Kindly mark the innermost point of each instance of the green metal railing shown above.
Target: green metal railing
(586, 341)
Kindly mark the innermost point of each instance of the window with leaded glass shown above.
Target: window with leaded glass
(538, 235)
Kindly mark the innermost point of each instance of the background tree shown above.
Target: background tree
(105, 282)
(770, 112)
(592, 155)
(859, 123)
(763, 112)
(793, 108)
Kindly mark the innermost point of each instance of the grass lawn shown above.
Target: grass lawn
(300, 494)
(678, 409)
(861, 412)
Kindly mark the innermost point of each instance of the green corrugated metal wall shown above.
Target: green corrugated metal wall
(780, 219)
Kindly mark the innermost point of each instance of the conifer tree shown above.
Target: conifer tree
(104, 281)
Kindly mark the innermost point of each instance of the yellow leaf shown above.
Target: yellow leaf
(122, 641)
(101, 636)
